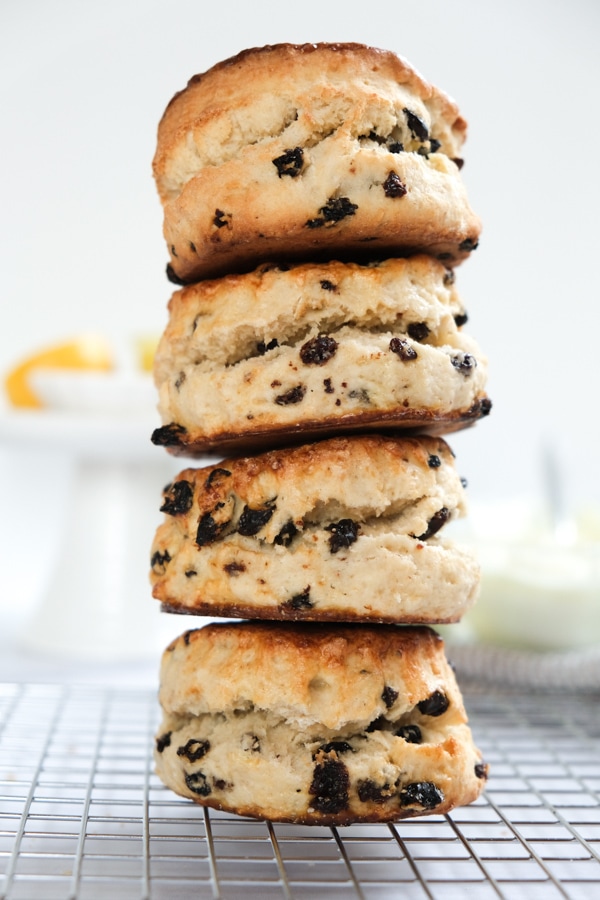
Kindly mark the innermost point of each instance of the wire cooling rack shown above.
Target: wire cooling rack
(83, 816)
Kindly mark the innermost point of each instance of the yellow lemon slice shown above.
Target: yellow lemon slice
(88, 352)
(145, 346)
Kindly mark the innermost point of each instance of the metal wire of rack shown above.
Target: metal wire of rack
(83, 817)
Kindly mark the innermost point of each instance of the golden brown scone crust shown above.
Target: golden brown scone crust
(308, 723)
(305, 151)
(328, 674)
(342, 530)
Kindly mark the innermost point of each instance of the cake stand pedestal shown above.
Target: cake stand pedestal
(97, 602)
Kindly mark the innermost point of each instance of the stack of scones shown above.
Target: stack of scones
(314, 213)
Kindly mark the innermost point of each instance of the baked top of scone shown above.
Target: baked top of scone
(265, 81)
(315, 724)
(308, 673)
(348, 529)
(288, 353)
(372, 475)
(306, 151)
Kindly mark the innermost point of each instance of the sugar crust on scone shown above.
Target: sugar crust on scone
(304, 151)
(344, 529)
(315, 724)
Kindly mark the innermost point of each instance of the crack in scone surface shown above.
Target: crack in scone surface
(368, 121)
(333, 328)
(276, 512)
(284, 532)
(242, 318)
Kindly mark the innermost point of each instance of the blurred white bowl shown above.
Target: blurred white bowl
(115, 393)
(539, 594)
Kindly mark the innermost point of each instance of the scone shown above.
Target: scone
(346, 529)
(288, 353)
(315, 724)
(307, 151)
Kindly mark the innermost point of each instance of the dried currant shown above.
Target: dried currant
(290, 162)
(403, 349)
(389, 696)
(328, 285)
(327, 386)
(485, 407)
(461, 319)
(410, 733)
(377, 724)
(468, 244)
(437, 520)
(221, 785)
(396, 147)
(163, 741)
(330, 786)
(369, 791)
(194, 749)
(393, 186)
(159, 562)
(221, 219)
(173, 276)
(178, 498)
(434, 462)
(418, 331)
(418, 128)
(318, 351)
(300, 601)
(343, 534)
(252, 520)
(336, 747)
(208, 530)
(215, 475)
(197, 783)
(336, 209)
(481, 770)
(234, 568)
(263, 347)
(421, 793)
(168, 435)
(464, 362)
(294, 395)
(435, 705)
(287, 534)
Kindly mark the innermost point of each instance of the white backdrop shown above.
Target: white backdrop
(82, 88)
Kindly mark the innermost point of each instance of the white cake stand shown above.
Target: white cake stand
(97, 603)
